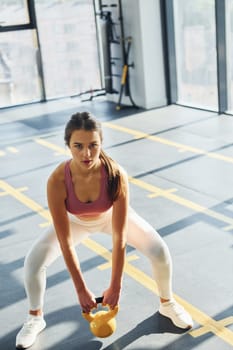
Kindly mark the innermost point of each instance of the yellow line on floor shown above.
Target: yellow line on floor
(180, 146)
(17, 194)
(179, 200)
(52, 146)
(12, 149)
(210, 324)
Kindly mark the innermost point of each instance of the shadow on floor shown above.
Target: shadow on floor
(154, 324)
(82, 338)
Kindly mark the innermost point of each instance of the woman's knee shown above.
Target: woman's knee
(33, 263)
(39, 258)
(42, 253)
(160, 253)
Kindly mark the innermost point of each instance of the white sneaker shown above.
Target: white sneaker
(176, 313)
(28, 333)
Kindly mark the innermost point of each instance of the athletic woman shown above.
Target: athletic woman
(89, 193)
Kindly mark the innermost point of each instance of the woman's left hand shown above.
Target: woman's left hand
(111, 297)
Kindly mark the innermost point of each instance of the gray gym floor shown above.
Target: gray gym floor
(180, 166)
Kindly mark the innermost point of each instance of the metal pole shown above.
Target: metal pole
(169, 49)
(220, 15)
(32, 14)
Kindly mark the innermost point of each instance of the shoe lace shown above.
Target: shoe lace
(28, 327)
(178, 309)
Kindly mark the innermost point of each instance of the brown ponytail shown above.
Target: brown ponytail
(114, 176)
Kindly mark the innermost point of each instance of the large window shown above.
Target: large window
(48, 48)
(19, 79)
(195, 43)
(229, 45)
(19, 76)
(68, 41)
(13, 12)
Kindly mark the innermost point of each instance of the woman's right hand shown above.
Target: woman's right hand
(87, 300)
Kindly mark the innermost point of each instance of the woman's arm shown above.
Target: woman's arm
(119, 228)
(56, 194)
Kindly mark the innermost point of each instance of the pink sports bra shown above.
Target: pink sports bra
(75, 206)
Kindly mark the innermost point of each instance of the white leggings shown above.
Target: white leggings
(140, 235)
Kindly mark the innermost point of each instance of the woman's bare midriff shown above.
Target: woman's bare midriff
(90, 217)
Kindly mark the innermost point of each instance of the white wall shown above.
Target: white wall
(147, 81)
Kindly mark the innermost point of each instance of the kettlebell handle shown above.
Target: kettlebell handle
(89, 316)
(111, 313)
(99, 300)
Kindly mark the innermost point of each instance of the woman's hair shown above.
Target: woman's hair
(85, 121)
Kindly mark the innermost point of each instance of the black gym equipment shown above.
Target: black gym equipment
(112, 33)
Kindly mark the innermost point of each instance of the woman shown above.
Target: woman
(89, 193)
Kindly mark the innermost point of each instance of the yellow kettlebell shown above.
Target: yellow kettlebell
(102, 323)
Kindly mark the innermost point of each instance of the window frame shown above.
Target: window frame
(30, 25)
(168, 32)
(220, 18)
